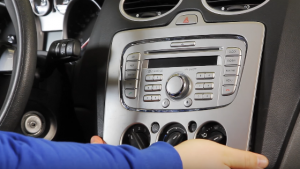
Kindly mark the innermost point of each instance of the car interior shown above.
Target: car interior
(137, 72)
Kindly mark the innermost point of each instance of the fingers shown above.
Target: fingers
(243, 159)
(97, 140)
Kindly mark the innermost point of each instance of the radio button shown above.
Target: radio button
(149, 78)
(198, 96)
(132, 75)
(228, 90)
(233, 51)
(157, 78)
(134, 57)
(230, 80)
(231, 70)
(131, 84)
(147, 98)
(199, 86)
(132, 65)
(209, 75)
(182, 44)
(208, 85)
(188, 102)
(156, 87)
(233, 60)
(200, 76)
(165, 103)
(187, 20)
(131, 94)
(148, 88)
(207, 96)
(155, 97)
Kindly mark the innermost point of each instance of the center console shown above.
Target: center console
(187, 80)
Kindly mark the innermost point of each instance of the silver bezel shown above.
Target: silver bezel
(144, 19)
(231, 13)
(236, 117)
(174, 39)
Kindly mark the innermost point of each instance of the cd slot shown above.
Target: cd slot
(167, 51)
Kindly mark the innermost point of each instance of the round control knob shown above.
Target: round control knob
(137, 136)
(213, 131)
(173, 134)
(178, 86)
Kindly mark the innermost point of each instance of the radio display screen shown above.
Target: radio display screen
(183, 62)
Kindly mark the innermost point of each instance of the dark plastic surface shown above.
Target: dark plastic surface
(183, 62)
(271, 119)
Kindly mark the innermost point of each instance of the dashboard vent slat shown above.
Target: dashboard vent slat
(234, 5)
(148, 8)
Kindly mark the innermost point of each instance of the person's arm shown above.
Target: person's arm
(18, 151)
(205, 154)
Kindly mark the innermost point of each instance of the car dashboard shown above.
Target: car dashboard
(169, 70)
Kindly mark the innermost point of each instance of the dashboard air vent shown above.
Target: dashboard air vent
(140, 10)
(233, 6)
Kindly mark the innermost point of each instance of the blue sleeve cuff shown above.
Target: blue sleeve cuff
(161, 155)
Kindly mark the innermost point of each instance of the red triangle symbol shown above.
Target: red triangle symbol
(186, 20)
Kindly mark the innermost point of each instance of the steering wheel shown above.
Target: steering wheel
(24, 64)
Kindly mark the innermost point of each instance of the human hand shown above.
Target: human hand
(206, 154)
(97, 140)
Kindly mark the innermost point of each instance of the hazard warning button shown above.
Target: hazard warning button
(187, 20)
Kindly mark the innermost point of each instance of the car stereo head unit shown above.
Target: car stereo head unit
(165, 75)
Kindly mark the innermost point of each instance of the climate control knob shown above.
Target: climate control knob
(178, 86)
(173, 134)
(138, 136)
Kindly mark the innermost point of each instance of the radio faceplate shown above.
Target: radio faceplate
(190, 74)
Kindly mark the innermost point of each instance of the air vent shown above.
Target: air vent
(231, 7)
(143, 10)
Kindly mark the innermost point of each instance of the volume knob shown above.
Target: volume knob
(178, 86)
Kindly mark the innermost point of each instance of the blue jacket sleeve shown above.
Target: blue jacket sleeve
(18, 151)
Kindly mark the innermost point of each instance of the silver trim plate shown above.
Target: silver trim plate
(236, 117)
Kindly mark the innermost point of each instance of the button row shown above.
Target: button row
(231, 70)
(203, 96)
(152, 98)
(205, 75)
(150, 88)
(151, 78)
(132, 67)
(204, 86)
